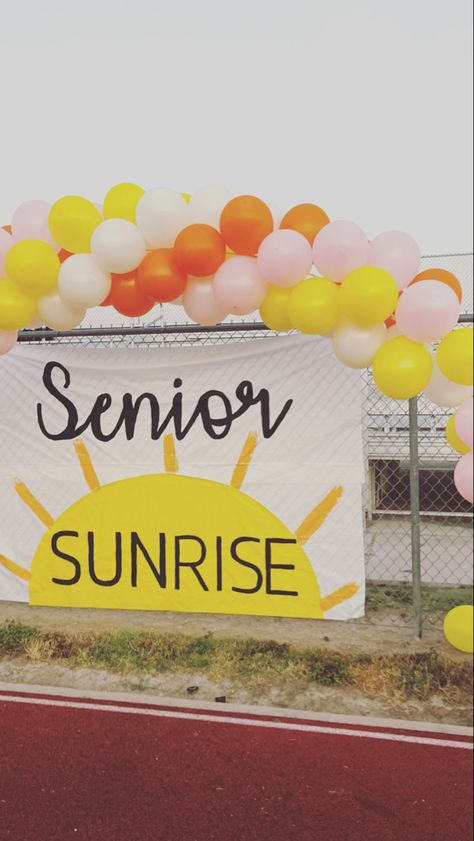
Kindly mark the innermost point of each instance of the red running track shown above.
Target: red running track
(133, 772)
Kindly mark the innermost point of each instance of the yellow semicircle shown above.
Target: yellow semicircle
(234, 556)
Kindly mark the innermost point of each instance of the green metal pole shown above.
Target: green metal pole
(415, 518)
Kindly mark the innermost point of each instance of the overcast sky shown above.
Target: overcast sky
(362, 106)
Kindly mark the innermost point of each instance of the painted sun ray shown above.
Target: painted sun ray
(14, 568)
(342, 594)
(33, 504)
(169, 455)
(240, 470)
(315, 519)
(87, 467)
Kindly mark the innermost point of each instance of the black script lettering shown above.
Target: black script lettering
(269, 566)
(192, 564)
(118, 561)
(66, 557)
(135, 544)
(244, 563)
(216, 425)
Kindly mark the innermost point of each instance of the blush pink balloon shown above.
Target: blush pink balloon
(464, 422)
(463, 477)
(6, 242)
(238, 285)
(427, 311)
(200, 303)
(7, 341)
(30, 221)
(339, 248)
(284, 258)
(398, 254)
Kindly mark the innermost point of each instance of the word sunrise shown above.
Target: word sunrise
(213, 408)
(173, 559)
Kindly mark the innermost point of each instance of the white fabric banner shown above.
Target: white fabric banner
(274, 424)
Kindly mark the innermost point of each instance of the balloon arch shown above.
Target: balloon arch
(218, 254)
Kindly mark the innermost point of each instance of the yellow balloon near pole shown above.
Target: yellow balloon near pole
(16, 308)
(121, 201)
(369, 296)
(313, 306)
(72, 221)
(274, 310)
(453, 438)
(458, 627)
(34, 266)
(455, 356)
(402, 368)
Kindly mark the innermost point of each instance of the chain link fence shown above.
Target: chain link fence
(446, 519)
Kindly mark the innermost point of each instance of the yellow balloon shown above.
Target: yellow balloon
(187, 197)
(455, 356)
(453, 438)
(16, 308)
(368, 296)
(458, 627)
(402, 368)
(72, 221)
(121, 202)
(34, 266)
(313, 306)
(274, 310)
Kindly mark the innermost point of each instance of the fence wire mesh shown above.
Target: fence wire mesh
(446, 519)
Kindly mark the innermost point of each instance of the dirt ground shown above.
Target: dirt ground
(358, 636)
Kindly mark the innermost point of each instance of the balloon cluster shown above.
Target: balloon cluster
(218, 255)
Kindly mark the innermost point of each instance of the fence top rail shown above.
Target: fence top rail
(159, 330)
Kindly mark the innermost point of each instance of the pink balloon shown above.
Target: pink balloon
(464, 422)
(238, 285)
(6, 242)
(398, 254)
(30, 221)
(199, 301)
(339, 248)
(284, 258)
(463, 477)
(427, 311)
(7, 341)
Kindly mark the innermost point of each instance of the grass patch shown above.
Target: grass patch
(247, 661)
(398, 597)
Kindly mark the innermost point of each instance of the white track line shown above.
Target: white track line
(273, 725)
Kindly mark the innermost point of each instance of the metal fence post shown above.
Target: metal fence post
(415, 517)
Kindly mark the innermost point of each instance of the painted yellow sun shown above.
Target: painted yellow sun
(175, 542)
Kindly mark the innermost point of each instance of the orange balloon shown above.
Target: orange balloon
(199, 250)
(307, 219)
(126, 296)
(245, 222)
(63, 255)
(444, 276)
(7, 228)
(159, 277)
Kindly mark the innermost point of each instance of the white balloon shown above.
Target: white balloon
(199, 301)
(444, 392)
(35, 323)
(207, 204)
(82, 282)
(118, 246)
(161, 215)
(357, 348)
(393, 332)
(59, 314)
